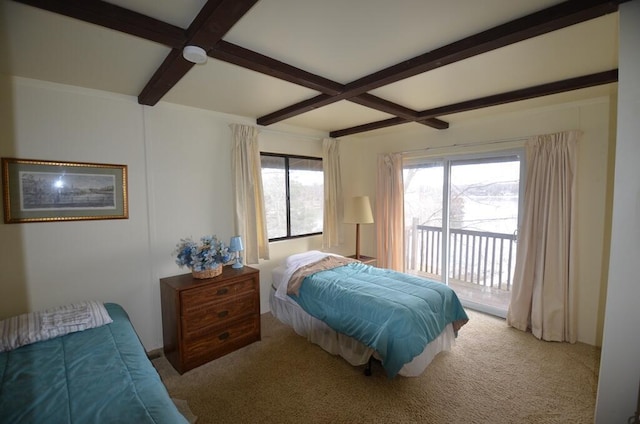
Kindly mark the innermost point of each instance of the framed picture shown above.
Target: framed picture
(43, 191)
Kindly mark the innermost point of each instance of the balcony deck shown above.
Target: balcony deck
(492, 297)
(480, 268)
(476, 294)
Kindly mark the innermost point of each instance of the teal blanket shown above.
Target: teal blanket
(394, 313)
(101, 375)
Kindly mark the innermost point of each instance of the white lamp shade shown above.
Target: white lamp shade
(235, 245)
(358, 211)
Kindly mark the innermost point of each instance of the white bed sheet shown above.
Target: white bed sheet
(353, 351)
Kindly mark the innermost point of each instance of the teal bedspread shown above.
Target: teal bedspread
(394, 313)
(101, 375)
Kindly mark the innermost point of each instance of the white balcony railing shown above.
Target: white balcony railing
(478, 257)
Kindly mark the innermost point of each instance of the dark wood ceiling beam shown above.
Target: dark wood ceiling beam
(548, 89)
(373, 102)
(547, 20)
(172, 69)
(218, 16)
(115, 17)
(385, 123)
(214, 20)
(570, 84)
(369, 127)
(391, 108)
(257, 62)
(383, 105)
(535, 24)
(245, 58)
(306, 106)
(436, 123)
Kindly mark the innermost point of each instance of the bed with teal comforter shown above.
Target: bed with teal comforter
(394, 313)
(99, 375)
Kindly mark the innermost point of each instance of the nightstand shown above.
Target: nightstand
(366, 259)
(205, 319)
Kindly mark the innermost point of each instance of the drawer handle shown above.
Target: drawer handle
(223, 314)
(224, 335)
(223, 291)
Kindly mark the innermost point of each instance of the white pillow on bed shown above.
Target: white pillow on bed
(293, 262)
(304, 258)
(34, 327)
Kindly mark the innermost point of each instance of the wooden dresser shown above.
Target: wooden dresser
(206, 319)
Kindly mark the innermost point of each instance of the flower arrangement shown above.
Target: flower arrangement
(208, 254)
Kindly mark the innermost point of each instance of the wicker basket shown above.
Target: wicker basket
(207, 273)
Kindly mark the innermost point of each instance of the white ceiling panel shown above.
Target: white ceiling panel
(46, 46)
(346, 40)
(231, 89)
(343, 114)
(582, 49)
(335, 39)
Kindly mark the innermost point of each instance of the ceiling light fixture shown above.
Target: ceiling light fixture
(194, 54)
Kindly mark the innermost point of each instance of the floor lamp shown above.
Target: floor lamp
(358, 211)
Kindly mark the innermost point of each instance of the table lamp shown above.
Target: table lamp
(235, 246)
(358, 211)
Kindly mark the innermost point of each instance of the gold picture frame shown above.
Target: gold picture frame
(46, 191)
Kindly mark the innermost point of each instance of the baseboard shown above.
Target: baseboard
(155, 354)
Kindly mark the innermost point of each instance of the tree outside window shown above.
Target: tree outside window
(293, 195)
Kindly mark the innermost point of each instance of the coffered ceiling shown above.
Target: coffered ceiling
(337, 66)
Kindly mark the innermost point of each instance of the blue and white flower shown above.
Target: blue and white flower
(208, 254)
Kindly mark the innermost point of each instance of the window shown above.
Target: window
(461, 217)
(293, 195)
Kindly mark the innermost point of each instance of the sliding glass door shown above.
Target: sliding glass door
(423, 211)
(461, 220)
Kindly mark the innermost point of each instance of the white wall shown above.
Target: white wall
(179, 167)
(179, 186)
(63, 262)
(591, 117)
(620, 362)
(190, 190)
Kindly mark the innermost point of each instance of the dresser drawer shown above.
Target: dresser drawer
(203, 297)
(222, 341)
(198, 321)
(204, 319)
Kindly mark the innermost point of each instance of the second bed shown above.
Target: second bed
(443, 310)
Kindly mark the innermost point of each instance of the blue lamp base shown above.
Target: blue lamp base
(235, 245)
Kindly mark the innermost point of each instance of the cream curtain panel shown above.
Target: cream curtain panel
(544, 289)
(333, 202)
(250, 220)
(390, 212)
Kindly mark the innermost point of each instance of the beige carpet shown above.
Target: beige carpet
(494, 374)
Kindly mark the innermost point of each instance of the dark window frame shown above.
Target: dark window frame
(286, 158)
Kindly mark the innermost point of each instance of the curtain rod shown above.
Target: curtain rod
(482, 143)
